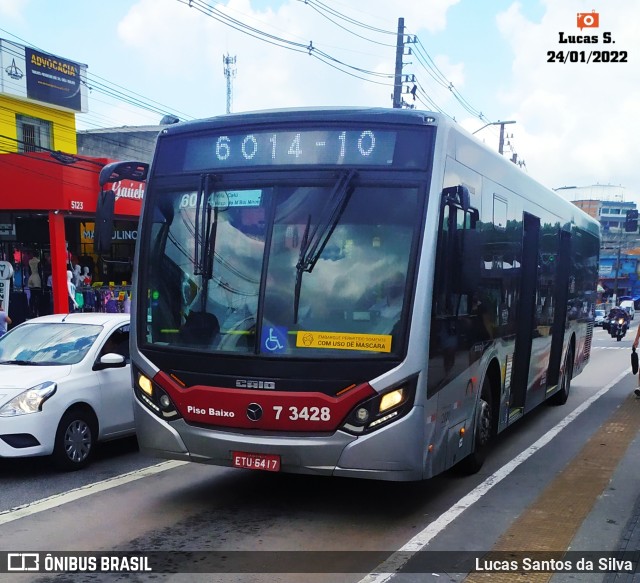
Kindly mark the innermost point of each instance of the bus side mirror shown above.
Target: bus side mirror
(458, 195)
(123, 170)
(103, 229)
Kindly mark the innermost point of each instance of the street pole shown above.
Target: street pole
(501, 144)
(397, 85)
(501, 124)
(615, 285)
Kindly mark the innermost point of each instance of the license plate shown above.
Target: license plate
(256, 461)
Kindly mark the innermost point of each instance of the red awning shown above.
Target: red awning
(41, 182)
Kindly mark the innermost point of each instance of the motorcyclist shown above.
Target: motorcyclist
(615, 315)
(618, 312)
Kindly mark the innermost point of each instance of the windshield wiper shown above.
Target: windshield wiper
(313, 244)
(205, 234)
(20, 362)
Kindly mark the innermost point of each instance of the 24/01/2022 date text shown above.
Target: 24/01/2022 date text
(587, 56)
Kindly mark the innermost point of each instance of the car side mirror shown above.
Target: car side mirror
(110, 360)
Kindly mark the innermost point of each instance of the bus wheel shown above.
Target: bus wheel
(560, 398)
(482, 435)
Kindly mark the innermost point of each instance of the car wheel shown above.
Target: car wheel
(75, 440)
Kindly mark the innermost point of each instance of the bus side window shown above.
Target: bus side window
(458, 261)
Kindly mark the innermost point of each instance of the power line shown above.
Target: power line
(105, 87)
(422, 55)
(281, 42)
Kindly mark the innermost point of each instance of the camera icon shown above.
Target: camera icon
(588, 19)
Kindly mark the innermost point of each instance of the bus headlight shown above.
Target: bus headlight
(391, 400)
(145, 384)
(153, 397)
(381, 409)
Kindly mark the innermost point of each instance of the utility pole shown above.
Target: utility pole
(229, 73)
(501, 144)
(397, 84)
(501, 124)
(615, 286)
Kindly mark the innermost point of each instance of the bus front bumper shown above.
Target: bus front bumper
(392, 453)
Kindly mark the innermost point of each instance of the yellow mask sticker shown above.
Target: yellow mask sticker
(343, 341)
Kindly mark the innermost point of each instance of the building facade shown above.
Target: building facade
(620, 249)
(49, 193)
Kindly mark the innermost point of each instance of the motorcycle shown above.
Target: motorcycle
(618, 328)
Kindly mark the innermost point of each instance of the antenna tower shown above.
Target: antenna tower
(229, 73)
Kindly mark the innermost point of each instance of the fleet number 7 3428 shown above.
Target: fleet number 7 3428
(305, 413)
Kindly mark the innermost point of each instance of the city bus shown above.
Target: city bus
(354, 292)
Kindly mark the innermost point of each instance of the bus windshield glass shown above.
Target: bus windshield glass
(284, 270)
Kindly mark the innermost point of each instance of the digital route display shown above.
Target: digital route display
(283, 148)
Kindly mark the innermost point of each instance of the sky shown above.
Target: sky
(479, 62)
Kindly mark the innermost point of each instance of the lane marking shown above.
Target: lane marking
(59, 499)
(397, 560)
(571, 495)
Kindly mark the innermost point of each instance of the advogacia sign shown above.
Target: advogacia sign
(42, 77)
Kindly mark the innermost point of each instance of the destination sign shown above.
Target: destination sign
(283, 148)
(279, 146)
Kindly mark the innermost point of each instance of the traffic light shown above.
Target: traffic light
(631, 223)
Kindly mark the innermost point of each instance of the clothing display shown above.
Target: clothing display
(116, 299)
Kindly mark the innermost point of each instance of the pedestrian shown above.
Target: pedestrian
(635, 345)
(5, 321)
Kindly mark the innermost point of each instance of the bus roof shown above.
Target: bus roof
(355, 114)
(310, 114)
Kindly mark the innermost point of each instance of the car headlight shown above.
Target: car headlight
(29, 401)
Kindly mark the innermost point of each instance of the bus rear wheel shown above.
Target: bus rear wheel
(560, 398)
(483, 433)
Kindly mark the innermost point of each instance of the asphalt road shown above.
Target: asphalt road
(126, 502)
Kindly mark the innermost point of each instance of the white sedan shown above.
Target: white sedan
(65, 384)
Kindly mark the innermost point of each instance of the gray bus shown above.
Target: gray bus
(351, 292)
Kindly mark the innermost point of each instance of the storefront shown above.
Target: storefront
(47, 212)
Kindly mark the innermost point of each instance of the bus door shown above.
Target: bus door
(526, 314)
(457, 275)
(561, 300)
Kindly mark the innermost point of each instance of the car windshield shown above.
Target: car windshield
(600, 313)
(288, 270)
(50, 343)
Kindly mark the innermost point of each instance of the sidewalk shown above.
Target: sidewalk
(613, 525)
(629, 540)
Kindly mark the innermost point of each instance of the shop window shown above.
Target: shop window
(34, 134)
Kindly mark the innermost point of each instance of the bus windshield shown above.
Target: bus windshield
(284, 270)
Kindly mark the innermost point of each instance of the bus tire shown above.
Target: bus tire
(483, 433)
(560, 398)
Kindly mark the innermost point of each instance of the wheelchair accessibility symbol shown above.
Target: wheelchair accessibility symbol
(274, 339)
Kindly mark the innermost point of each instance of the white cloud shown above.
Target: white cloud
(577, 122)
(13, 9)
(269, 76)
